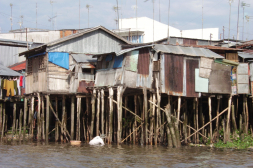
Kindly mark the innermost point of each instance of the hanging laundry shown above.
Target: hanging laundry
(21, 81)
(10, 87)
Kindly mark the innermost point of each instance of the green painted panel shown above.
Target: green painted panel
(132, 61)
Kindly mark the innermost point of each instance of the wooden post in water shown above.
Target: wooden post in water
(14, 119)
(38, 118)
(63, 115)
(88, 114)
(228, 119)
(151, 134)
(56, 120)
(145, 114)
(78, 118)
(217, 111)
(210, 117)
(120, 92)
(93, 101)
(72, 117)
(43, 118)
(32, 115)
(177, 122)
(1, 115)
(158, 113)
(102, 111)
(3, 121)
(110, 115)
(20, 123)
(197, 118)
(98, 113)
(25, 117)
(247, 115)
(135, 122)
(233, 117)
(47, 117)
(170, 130)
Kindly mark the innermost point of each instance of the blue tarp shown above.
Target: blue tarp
(118, 61)
(108, 58)
(59, 58)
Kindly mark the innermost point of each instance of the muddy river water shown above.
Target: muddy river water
(30, 154)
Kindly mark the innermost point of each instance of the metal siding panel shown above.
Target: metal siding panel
(251, 71)
(131, 61)
(130, 79)
(201, 84)
(243, 78)
(219, 80)
(191, 65)
(82, 88)
(173, 66)
(105, 77)
(143, 61)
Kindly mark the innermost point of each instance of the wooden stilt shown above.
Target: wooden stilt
(32, 116)
(56, 121)
(151, 119)
(185, 128)
(158, 118)
(120, 91)
(38, 118)
(233, 117)
(177, 122)
(14, 119)
(78, 118)
(98, 114)
(228, 119)
(93, 101)
(20, 123)
(170, 125)
(3, 121)
(145, 115)
(247, 115)
(217, 111)
(25, 117)
(88, 114)
(63, 116)
(72, 129)
(110, 115)
(194, 120)
(43, 118)
(102, 111)
(197, 118)
(1, 115)
(210, 117)
(135, 122)
(47, 117)
(142, 118)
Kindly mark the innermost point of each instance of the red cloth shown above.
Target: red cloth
(21, 81)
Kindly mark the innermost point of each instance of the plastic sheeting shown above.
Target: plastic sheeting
(59, 58)
(118, 61)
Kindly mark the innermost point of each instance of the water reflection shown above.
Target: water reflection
(30, 154)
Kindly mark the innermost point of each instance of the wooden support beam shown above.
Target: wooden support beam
(210, 117)
(32, 116)
(110, 114)
(72, 117)
(135, 113)
(1, 115)
(43, 118)
(207, 123)
(20, 122)
(63, 115)
(177, 122)
(197, 117)
(120, 91)
(228, 118)
(217, 111)
(14, 119)
(145, 115)
(98, 113)
(93, 102)
(65, 131)
(38, 118)
(102, 111)
(47, 116)
(87, 118)
(56, 121)
(3, 122)
(78, 119)
(158, 112)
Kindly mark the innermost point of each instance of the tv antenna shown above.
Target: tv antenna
(52, 17)
(88, 7)
(11, 14)
(21, 21)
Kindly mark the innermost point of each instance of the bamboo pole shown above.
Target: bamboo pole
(217, 111)
(72, 129)
(63, 115)
(158, 118)
(210, 117)
(151, 119)
(98, 113)
(110, 115)
(132, 132)
(145, 114)
(56, 121)
(43, 118)
(102, 111)
(78, 118)
(208, 123)
(88, 114)
(47, 117)
(177, 122)
(135, 122)
(93, 101)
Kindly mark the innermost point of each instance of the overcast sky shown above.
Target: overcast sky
(184, 14)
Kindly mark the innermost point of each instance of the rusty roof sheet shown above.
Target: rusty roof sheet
(18, 66)
(189, 51)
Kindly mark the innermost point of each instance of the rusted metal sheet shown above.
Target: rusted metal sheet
(191, 65)
(131, 61)
(82, 88)
(189, 42)
(219, 80)
(173, 74)
(143, 61)
(242, 78)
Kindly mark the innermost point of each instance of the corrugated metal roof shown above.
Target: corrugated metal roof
(131, 49)
(83, 58)
(4, 71)
(245, 55)
(190, 51)
(81, 33)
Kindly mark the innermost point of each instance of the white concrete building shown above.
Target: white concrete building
(143, 31)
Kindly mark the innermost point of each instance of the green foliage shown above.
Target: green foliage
(242, 141)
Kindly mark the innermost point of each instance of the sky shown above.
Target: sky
(184, 14)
